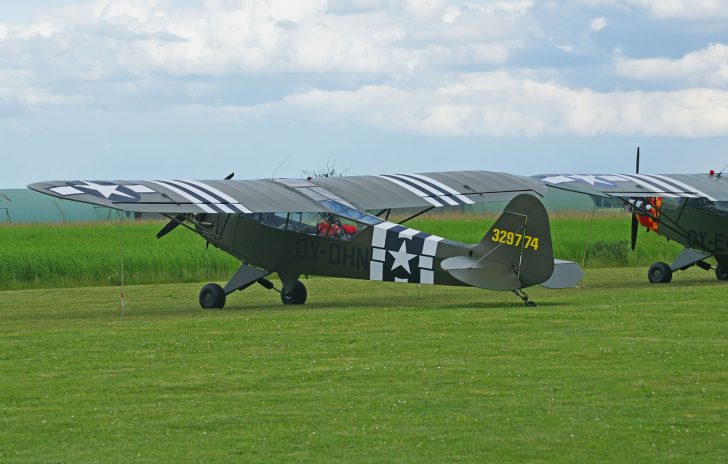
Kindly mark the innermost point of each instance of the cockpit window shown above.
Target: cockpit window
(329, 225)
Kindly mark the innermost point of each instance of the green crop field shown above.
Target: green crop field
(36, 256)
(615, 370)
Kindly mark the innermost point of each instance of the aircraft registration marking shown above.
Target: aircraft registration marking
(509, 238)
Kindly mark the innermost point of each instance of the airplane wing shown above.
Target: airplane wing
(280, 195)
(710, 187)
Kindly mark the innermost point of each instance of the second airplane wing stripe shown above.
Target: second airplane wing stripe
(670, 188)
(649, 186)
(683, 185)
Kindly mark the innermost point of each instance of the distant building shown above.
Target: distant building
(23, 205)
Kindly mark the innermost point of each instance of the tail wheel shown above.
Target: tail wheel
(721, 272)
(660, 273)
(296, 296)
(212, 296)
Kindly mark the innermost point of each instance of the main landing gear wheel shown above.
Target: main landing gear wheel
(660, 273)
(721, 272)
(297, 296)
(212, 296)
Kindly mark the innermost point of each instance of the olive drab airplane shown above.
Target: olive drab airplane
(691, 209)
(338, 227)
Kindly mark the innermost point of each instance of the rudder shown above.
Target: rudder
(515, 253)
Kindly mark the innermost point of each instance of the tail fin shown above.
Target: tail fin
(515, 253)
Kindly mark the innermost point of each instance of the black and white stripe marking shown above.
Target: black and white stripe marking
(189, 196)
(656, 183)
(434, 192)
(697, 193)
(221, 196)
(393, 239)
(205, 197)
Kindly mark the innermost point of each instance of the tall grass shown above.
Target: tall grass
(90, 254)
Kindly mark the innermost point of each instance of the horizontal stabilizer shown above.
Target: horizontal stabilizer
(482, 274)
(566, 274)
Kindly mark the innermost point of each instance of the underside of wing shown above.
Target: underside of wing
(710, 187)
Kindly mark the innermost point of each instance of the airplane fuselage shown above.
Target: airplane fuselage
(384, 252)
(695, 224)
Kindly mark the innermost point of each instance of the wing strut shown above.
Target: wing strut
(415, 215)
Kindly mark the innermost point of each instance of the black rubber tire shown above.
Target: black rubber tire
(660, 273)
(212, 296)
(721, 272)
(532, 304)
(297, 296)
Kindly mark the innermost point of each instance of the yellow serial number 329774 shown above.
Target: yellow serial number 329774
(514, 239)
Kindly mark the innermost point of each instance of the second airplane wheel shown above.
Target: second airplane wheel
(660, 273)
(212, 296)
(296, 296)
(721, 272)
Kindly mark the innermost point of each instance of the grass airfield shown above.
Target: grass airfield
(616, 370)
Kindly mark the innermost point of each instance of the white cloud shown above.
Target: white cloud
(597, 24)
(501, 104)
(408, 52)
(20, 88)
(225, 37)
(566, 48)
(694, 9)
(706, 67)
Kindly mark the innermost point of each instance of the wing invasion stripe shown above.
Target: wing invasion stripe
(648, 186)
(670, 188)
(202, 195)
(426, 188)
(425, 183)
(444, 187)
(683, 185)
(192, 199)
(417, 192)
(225, 198)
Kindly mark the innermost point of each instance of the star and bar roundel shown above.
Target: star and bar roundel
(400, 254)
(206, 197)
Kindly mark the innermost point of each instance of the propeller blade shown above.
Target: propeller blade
(171, 225)
(230, 176)
(635, 226)
(637, 168)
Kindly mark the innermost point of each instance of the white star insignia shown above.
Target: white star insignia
(402, 258)
(105, 190)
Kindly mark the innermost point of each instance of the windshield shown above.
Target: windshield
(350, 213)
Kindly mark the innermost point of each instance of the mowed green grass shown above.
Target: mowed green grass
(35, 256)
(616, 370)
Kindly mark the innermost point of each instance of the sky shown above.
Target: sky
(162, 89)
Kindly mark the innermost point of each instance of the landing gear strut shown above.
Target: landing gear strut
(213, 296)
(520, 294)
